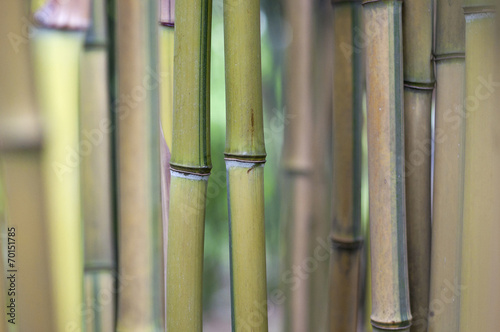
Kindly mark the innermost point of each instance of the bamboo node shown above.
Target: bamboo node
(392, 326)
(346, 244)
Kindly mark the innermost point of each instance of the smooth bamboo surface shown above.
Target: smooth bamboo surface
(245, 156)
(297, 162)
(95, 135)
(190, 165)
(480, 297)
(419, 84)
(56, 63)
(138, 308)
(346, 234)
(22, 184)
(444, 297)
(390, 295)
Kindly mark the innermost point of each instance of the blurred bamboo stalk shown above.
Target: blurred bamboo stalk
(418, 89)
(346, 235)
(138, 300)
(297, 163)
(57, 47)
(480, 290)
(21, 153)
(95, 131)
(322, 158)
(245, 157)
(166, 66)
(390, 296)
(449, 54)
(190, 165)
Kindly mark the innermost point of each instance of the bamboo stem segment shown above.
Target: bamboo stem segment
(390, 296)
(346, 234)
(245, 156)
(448, 167)
(419, 85)
(190, 165)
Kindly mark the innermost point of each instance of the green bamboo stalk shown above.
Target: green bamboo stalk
(245, 157)
(96, 176)
(419, 86)
(480, 298)
(322, 158)
(138, 300)
(346, 236)
(449, 52)
(190, 165)
(390, 296)
(21, 168)
(57, 46)
(297, 162)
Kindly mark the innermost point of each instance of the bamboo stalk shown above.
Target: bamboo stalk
(166, 65)
(96, 176)
(346, 235)
(57, 47)
(138, 307)
(297, 163)
(480, 298)
(22, 183)
(322, 158)
(190, 165)
(245, 157)
(419, 85)
(449, 54)
(390, 296)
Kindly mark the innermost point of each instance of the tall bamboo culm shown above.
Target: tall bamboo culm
(449, 53)
(390, 295)
(418, 88)
(95, 128)
(480, 290)
(245, 157)
(190, 165)
(346, 235)
(138, 304)
(297, 161)
(57, 48)
(22, 184)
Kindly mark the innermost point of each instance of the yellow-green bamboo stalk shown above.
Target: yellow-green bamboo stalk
(449, 52)
(137, 218)
(322, 157)
(22, 182)
(480, 298)
(166, 66)
(57, 46)
(297, 164)
(245, 157)
(390, 296)
(190, 165)
(419, 85)
(346, 235)
(95, 138)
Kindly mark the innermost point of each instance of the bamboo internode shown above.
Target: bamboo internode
(449, 52)
(190, 164)
(346, 233)
(390, 295)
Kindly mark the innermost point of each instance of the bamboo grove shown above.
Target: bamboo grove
(355, 186)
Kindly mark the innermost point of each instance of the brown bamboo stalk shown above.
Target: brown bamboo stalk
(390, 296)
(346, 235)
(419, 85)
(297, 164)
(449, 52)
(480, 298)
(137, 308)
